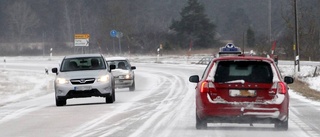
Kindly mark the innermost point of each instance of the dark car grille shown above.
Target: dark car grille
(82, 81)
(86, 93)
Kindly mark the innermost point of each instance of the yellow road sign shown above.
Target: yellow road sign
(81, 36)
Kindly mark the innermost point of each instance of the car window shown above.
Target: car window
(249, 71)
(120, 64)
(205, 71)
(84, 63)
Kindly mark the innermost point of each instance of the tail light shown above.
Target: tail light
(280, 87)
(206, 87)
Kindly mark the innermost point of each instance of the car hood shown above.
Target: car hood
(83, 74)
(118, 72)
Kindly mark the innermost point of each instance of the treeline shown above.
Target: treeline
(34, 27)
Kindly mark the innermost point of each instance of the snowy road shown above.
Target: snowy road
(162, 106)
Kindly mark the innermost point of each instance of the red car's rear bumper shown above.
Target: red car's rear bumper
(221, 111)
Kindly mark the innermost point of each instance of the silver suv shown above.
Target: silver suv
(123, 73)
(84, 75)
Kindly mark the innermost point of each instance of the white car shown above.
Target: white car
(83, 75)
(123, 73)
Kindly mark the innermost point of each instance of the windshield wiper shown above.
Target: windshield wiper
(236, 81)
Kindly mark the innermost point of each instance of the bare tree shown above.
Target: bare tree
(118, 18)
(308, 30)
(22, 20)
(68, 31)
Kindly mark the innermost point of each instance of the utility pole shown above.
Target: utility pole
(43, 43)
(297, 57)
(270, 31)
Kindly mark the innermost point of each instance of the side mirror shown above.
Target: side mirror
(288, 79)
(133, 67)
(54, 70)
(112, 67)
(194, 79)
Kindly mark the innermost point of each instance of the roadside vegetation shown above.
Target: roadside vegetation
(304, 89)
(39, 28)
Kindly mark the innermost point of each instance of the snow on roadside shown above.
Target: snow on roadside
(18, 85)
(306, 74)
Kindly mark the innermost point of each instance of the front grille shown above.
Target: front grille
(82, 81)
(86, 93)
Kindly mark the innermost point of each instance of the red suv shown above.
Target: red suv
(242, 89)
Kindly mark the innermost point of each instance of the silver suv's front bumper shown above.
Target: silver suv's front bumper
(69, 90)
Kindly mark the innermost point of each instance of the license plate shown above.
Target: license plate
(82, 88)
(242, 93)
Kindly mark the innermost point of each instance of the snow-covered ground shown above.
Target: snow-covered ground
(20, 84)
(309, 73)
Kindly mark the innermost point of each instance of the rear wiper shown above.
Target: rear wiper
(236, 81)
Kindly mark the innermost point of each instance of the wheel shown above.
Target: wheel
(111, 98)
(133, 86)
(281, 125)
(114, 95)
(200, 124)
(60, 102)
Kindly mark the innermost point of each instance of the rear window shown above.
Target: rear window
(249, 71)
(84, 63)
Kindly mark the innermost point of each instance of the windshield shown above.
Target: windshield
(84, 63)
(120, 64)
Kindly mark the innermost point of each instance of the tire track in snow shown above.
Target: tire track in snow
(90, 128)
(168, 109)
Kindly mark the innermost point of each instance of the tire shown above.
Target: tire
(60, 102)
(114, 95)
(200, 124)
(281, 125)
(111, 98)
(133, 86)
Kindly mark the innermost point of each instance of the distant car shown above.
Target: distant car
(242, 89)
(123, 73)
(84, 75)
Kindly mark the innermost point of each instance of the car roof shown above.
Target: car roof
(115, 58)
(82, 55)
(242, 57)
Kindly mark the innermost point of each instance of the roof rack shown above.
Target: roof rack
(230, 48)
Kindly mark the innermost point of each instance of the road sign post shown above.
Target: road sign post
(81, 40)
(50, 54)
(119, 36)
(113, 34)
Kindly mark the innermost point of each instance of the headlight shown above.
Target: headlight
(105, 78)
(62, 81)
(128, 76)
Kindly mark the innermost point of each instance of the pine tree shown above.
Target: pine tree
(250, 37)
(194, 26)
